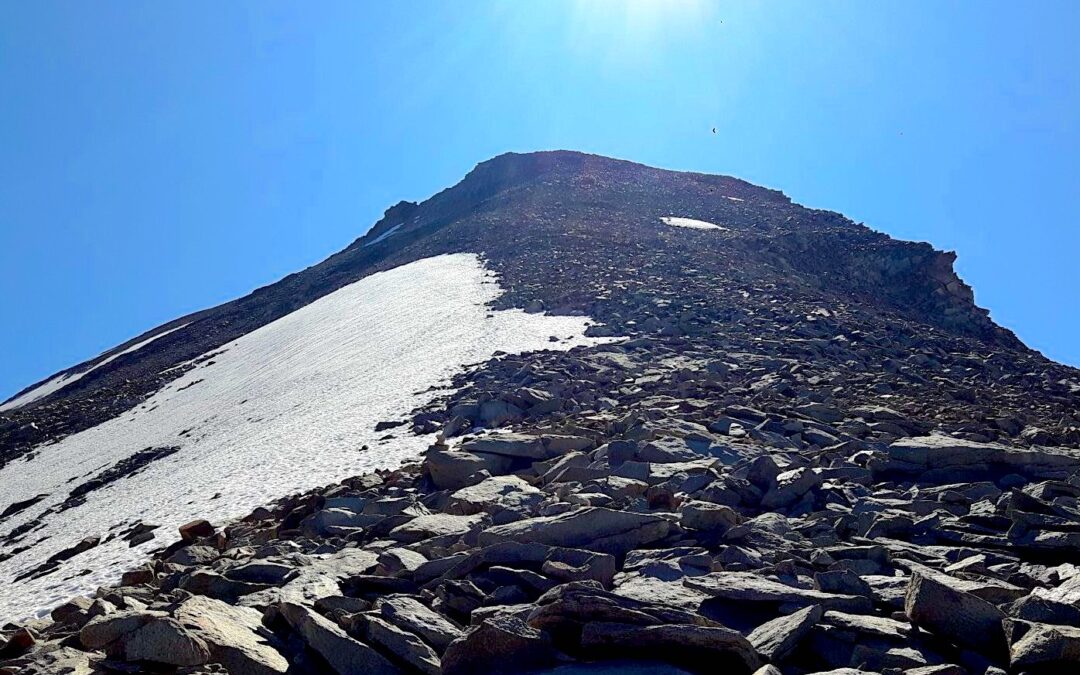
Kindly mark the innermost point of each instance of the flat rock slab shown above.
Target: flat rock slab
(495, 495)
(944, 459)
(592, 528)
(434, 525)
(750, 587)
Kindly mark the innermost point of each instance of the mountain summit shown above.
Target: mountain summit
(570, 409)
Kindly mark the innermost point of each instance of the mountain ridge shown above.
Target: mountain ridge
(538, 162)
(737, 432)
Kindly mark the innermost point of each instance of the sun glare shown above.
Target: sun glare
(626, 28)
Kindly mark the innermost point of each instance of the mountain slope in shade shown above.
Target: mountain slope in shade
(760, 433)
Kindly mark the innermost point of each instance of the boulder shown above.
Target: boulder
(501, 643)
(196, 529)
(344, 654)
(404, 645)
(725, 650)
(234, 635)
(102, 630)
(505, 498)
(747, 587)
(591, 528)
(707, 517)
(434, 525)
(164, 640)
(515, 446)
(790, 486)
(412, 615)
(775, 639)
(1042, 647)
(960, 617)
(454, 469)
(943, 459)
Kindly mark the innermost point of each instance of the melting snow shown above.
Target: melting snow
(691, 223)
(282, 409)
(61, 381)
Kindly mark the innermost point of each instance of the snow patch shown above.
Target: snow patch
(285, 408)
(691, 223)
(61, 381)
(384, 235)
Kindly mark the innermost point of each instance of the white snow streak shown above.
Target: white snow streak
(691, 223)
(389, 233)
(284, 408)
(61, 381)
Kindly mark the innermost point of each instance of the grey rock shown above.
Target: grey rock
(103, 630)
(963, 618)
(164, 640)
(1042, 647)
(724, 649)
(592, 528)
(501, 643)
(775, 639)
(412, 615)
(234, 635)
(402, 644)
(344, 654)
(434, 525)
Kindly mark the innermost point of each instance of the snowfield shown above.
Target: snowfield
(61, 381)
(285, 408)
(691, 223)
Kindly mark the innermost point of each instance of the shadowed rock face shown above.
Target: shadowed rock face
(810, 450)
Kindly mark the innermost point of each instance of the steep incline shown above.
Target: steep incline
(807, 447)
(527, 214)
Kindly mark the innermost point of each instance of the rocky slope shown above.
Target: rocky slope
(810, 451)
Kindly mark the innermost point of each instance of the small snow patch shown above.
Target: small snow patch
(691, 223)
(384, 235)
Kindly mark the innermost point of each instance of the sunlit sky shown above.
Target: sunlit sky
(158, 158)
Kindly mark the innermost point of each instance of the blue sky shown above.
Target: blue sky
(158, 158)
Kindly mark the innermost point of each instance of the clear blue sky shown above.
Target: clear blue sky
(159, 157)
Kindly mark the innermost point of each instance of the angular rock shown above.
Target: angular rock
(500, 644)
(1042, 647)
(411, 615)
(960, 617)
(164, 640)
(402, 644)
(499, 496)
(344, 654)
(775, 639)
(749, 587)
(454, 469)
(196, 529)
(234, 635)
(102, 630)
(591, 528)
(707, 517)
(723, 649)
(940, 459)
(434, 525)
